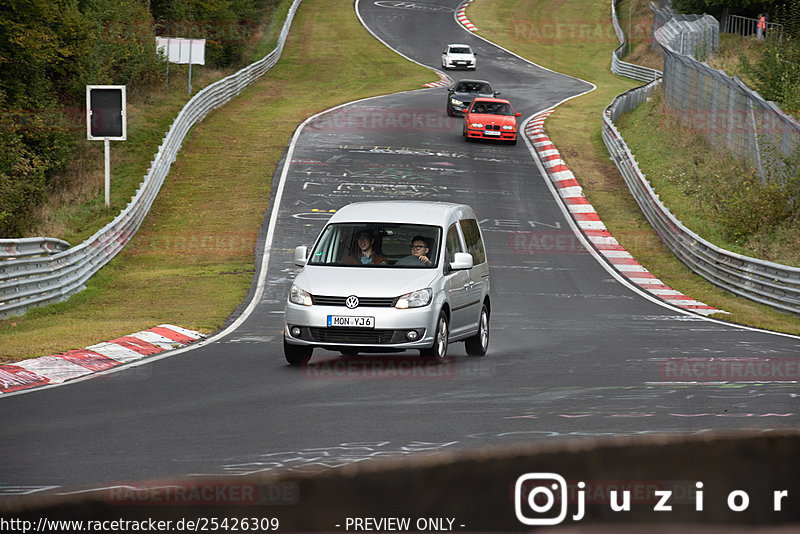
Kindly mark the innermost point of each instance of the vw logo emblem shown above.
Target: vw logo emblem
(351, 302)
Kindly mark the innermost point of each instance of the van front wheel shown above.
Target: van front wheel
(438, 351)
(297, 354)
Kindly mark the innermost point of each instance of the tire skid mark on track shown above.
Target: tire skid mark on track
(69, 365)
(587, 219)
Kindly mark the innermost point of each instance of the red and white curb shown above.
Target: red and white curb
(461, 15)
(444, 80)
(77, 363)
(589, 222)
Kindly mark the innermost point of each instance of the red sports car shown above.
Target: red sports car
(491, 118)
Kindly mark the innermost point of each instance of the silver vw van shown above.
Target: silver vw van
(391, 276)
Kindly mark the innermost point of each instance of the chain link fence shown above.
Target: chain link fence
(733, 118)
(706, 100)
(695, 35)
(761, 281)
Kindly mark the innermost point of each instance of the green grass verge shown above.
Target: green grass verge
(636, 20)
(75, 207)
(192, 261)
(583, 49)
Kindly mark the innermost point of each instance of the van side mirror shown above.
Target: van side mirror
(301, 255)
(462, 261)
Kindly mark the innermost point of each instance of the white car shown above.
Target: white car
(457, 56)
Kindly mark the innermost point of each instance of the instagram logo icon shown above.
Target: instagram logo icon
(540, 499)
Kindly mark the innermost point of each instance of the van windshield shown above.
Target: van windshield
(385, 245)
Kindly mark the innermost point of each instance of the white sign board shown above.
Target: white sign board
(182, 51)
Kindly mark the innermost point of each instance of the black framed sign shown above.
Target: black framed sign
(105, 112)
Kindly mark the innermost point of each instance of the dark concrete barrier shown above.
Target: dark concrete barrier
(710, 483)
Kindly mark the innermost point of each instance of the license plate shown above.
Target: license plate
(491, 132)
(350, 321)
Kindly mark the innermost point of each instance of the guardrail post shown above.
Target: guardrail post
(713, 125)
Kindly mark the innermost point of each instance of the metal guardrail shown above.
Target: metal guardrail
(629, 70)
(31, 246)
(766, 282)
(30, 281)
(762, 281)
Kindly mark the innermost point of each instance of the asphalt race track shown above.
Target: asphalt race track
(573, 351)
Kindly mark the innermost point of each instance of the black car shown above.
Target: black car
(460, 96)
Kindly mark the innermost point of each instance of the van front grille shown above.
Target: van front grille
(363, 302)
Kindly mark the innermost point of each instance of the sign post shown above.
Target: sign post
(106, 119)
(107, 181)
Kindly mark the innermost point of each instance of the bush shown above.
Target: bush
(22, 183)
(716, 187)
(776, 74)
(49, 52)
(744, 207)
(51, 49)
(226, 25)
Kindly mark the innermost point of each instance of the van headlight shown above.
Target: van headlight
(299, 296)
(415, 299)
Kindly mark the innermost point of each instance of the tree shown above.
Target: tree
(776, 74)
(718, 8)
(49, 51)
